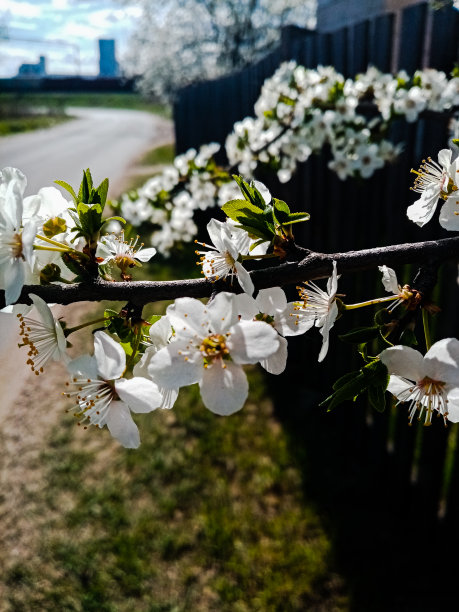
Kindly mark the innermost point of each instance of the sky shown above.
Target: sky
(66, 32)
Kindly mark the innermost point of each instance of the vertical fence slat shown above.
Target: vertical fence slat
(445, 26)
(412, 38)
(380, 42)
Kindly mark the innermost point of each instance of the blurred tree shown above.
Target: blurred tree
(182, 41)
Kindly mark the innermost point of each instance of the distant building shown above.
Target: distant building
(33, 70)
(108, 66)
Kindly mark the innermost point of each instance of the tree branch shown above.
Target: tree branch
(309, 266)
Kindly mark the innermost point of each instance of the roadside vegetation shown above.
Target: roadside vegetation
(24, 111)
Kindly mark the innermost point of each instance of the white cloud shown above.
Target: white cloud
(47, 21)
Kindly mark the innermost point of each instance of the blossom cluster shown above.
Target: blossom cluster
(138, 365)
(298, 113)
(300, 110)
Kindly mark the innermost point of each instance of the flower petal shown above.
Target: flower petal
(189, 318)
(271, 300)
(223, 311)
(251, 341)
(145, 254)
(245, 306)
(404, 361)
(422, 211)
(13, 280)
(244, 278)
(85, 365)
(160, 333)
(110, 356)
(441, 361)
(140, 394)
(389, 279)
(224, 389)
(449, 213)
(325, 329)
(121, 425)
(176, 366)
(275, 364)
(444, 158)
(288, 323)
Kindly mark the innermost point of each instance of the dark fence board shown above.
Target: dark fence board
(445, 26)
(412, 38)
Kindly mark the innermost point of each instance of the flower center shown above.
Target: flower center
(428, 396)
(40, 340)
(431, 173)
(263, 316)
(124, 261)
(11, 245)
(214, 347)
(93, 399)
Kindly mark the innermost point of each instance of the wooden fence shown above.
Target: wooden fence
(418, 467)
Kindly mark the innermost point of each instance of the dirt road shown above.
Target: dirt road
(105, 140)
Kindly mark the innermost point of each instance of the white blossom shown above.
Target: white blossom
(221, 261)
(16, 236)
(115, 249)
(44, 338)
(428, 383)
(320, 307)
(433, 181)
(210, 347)
(103, 397)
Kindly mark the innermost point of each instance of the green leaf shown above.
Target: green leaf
(108, 312)
(408, 337)
(281, 211)
(102, 191)
(84, 193)
(127, 347)
(68, 188)
(351, 385)
(250, 192)
(360, 335)
(264, 234)
(383, 317)
(154, 319)
(90, 217)
(236, 209)
(120, 219)
(297, 218)
(344, 379)
(377, 397)
(257, 243)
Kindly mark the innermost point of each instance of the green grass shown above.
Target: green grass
(17, 125)
(207, 515)
(62, 100)
(20, 112)
(161, 155)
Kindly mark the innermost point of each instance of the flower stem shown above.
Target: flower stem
(425, 322)
(70, 330)
(54, 242)
(267, 256)
(39, 247)
(390, 298)
(135, 348)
